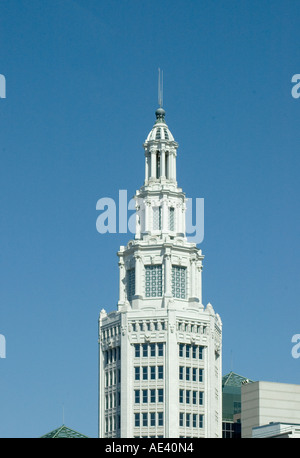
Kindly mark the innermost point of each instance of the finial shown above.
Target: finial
(160, 112)
(160, 88)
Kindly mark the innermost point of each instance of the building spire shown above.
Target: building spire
(160, 112)
(160, 88)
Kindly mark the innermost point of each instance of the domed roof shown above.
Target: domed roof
(160, 130)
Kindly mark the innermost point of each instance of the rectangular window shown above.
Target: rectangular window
(137, 373)
(187, 351)
(160, 393)
(187, 373)
(181, 396)
(200, 352)
(181, 350)
(145, 418)
(194, 397)
(136, 420)
(160, 348)
(201, 396)
(201, 420)
(152, 350)
(160, 419)
(145, 350)
(152, 396)
(153, 279)
(156, 218)
(179, 282)
(145, 396)
(137, 396)
(194, 374)
(200, 375)
(160, 370)
(180, 372)
(152, 419)
(172, 219)
(130, 284)
(152, 372)
(181, 419)
(145, 373)
(194, 420)
(187, 420)
(194, 350)
(137, 352)
(187, 397)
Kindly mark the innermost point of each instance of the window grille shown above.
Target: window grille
(179, 282)
(172, 219)
(156, 218)
(153, 278)
(130, 284)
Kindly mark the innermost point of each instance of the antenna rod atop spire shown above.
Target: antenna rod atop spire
(160, 88)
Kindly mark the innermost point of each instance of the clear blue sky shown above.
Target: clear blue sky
(81, 95)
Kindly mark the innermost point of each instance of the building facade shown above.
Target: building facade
(270, 409)
(160, 352)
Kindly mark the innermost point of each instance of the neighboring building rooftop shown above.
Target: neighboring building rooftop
(231, 395)
(233, 379)
(283, 430)
(63, 432)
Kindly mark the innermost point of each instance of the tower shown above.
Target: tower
(160, 351)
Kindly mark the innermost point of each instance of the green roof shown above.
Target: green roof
(63, 432)
(233, 379)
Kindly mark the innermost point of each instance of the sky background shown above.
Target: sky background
(81, 97)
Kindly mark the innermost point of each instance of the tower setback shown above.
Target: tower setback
(160, 352)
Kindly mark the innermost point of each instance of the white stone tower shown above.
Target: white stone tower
(160, 351)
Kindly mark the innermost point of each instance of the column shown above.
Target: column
(153, 164)
(163, 163)
(147, 204)
(192, 277)
(165, 214)
(122, 272)
(146, 167)
(174, 166)
(138, 274)
(171, 165)
(168, 275)
(199, 281)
